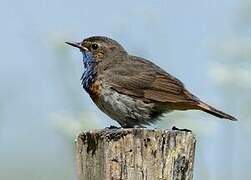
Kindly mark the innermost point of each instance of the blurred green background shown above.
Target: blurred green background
(206, 44)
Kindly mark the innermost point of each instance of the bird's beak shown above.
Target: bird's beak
(77, 45)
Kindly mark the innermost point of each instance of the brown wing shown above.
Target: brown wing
(141, 78)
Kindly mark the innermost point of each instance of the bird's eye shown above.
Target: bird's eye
(95, 46)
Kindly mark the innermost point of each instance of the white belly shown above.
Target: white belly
(124, 109)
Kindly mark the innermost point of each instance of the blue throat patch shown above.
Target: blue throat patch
(87, 58)
(89, 72)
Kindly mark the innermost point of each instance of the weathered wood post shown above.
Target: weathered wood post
(135, 154)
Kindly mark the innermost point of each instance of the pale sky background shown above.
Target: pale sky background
(43, 107)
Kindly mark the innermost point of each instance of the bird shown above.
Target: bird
(132, 90)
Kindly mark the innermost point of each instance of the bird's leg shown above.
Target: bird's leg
(113, 127)
(177, 129)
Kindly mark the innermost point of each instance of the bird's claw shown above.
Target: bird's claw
(177, 129)
(113, 127)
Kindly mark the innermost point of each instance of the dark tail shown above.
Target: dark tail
(211, 110)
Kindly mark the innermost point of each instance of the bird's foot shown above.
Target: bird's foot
(177, 129)
(113, 127)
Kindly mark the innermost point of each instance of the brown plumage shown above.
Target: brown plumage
(133, 90)
(151, 83)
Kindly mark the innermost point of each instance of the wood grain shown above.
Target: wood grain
(135, 154)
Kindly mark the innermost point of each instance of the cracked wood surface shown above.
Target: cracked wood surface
(135, 154)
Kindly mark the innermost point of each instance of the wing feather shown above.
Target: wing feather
(145, 80)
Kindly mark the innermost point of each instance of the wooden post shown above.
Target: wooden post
(135, 154)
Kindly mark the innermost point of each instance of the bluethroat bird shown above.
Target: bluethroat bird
(132, 90)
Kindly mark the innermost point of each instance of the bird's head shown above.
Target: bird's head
(99, 49)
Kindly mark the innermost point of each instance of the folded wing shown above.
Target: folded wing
(145, 80)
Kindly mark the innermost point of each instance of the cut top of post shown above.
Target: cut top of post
(136, 154)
